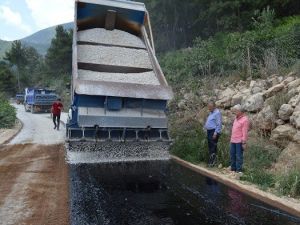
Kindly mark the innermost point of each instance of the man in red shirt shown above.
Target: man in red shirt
(56, 109)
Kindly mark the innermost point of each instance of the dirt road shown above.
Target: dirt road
(37, 128)
(34, 175)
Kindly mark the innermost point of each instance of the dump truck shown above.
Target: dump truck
(19, 98)
(119, 94)
(39, 99)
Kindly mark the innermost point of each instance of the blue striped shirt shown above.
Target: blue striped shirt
(214, 121)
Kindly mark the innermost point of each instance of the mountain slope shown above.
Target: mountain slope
(4, 46)
(40, 40)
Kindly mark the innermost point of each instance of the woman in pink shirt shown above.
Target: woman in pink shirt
(239, 136)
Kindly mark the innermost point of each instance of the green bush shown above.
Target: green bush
(259, 157)
(191, 143)
(289, 184)
(271, 47)
(257, 160)
(7, 114)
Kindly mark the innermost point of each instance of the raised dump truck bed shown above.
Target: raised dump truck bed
(119, 92)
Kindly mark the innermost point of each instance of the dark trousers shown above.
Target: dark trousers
(236, 157)
(56, 120)
(212, 146)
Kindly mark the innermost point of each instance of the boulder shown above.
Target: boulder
(273, 90)
(283, 133)
(227, 93)
(274, 80)
(256, 90)
(288, 80)
(285, 111)
(225, 98)
(294, 100)
(253, 103)
(237, 99)
(265, 119)
(279, 122)
(295, 119)
(296, 137)
(257, 86)
(294, 84)
(289, 157)
(294, 91)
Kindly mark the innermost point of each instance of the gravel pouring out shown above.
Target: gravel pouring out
(110, 152)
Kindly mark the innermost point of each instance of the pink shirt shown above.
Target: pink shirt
(240, 128)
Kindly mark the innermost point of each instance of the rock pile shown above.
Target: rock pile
(272, 104)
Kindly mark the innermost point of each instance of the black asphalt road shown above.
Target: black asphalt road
(160, 193)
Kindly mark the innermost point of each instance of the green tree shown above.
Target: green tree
(8, 83)
(16, 56)
(59, 56)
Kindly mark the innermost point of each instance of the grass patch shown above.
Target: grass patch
(289, 184)
(260, 177)
(7, 114)
(258, 159)
(191, 142)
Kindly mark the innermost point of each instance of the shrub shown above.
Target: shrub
(191, 142)
(7, 114)
(258, 159)
(289, 184)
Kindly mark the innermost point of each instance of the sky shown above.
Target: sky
(20, 18)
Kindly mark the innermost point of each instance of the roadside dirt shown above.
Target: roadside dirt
(34, 185)
(7, 134)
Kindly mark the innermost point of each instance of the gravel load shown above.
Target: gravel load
(147, 78)
(108, 152)
(114, 37)
(115, 56)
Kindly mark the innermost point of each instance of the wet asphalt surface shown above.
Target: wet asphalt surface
(160, 193)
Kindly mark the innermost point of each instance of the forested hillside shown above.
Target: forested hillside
(177, 23)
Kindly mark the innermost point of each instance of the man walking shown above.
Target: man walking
(239, 136)
(56, 109)
(213, 127)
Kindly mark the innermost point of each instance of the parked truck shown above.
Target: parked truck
(119, 93)
(39, 99)
(19, 98)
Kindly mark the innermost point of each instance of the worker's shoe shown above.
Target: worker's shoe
(54, 127)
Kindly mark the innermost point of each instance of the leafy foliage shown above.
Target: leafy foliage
(8, 83)
(177, 23)
(264, 50)
(191, 142)
(7, 114)
(59, 55)
(26, 64)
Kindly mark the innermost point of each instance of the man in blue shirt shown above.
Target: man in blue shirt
(213, 127)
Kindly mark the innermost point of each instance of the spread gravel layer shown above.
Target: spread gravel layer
(114, 37)
(147, 78)
(108, 152)
(115, 56)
